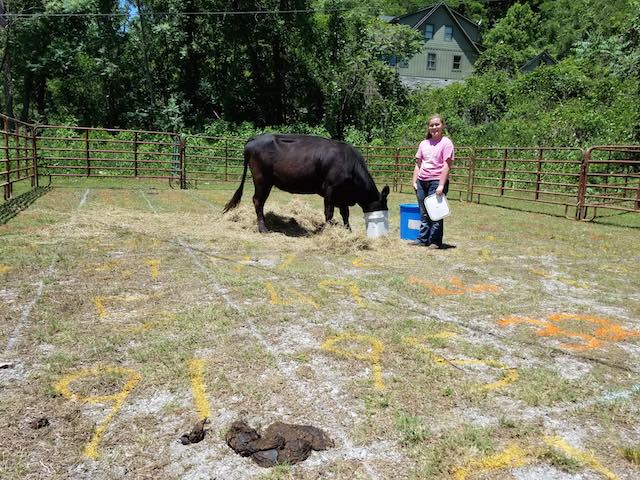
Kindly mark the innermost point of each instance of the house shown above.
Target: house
(543, 58)
(450, 46)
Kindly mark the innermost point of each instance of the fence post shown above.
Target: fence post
(135, 154)
(471, 175)
(18, 153)
(27, 153)
(503, 174)
(183, 168)
(35, 181)
(226, 159)
(582, 185)
(539, 174)
(86, 152)
(396, 174)
(7, 187)
(638, 196)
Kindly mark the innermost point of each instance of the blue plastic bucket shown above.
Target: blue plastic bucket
(409, 221)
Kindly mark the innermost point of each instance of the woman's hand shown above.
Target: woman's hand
(439, 190)
(415, 186)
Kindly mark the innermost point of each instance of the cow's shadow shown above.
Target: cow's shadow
(288, 226)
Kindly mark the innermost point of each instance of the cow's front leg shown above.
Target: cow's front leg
(344, 211)
(259, 198)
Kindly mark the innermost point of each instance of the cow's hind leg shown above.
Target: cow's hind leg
(328, 209)
(259, 198)
(344, 212)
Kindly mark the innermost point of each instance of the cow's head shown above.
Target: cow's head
(380, 203)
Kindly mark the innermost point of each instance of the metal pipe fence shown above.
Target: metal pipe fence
(18, 163)
(108, 153)
(599, 181)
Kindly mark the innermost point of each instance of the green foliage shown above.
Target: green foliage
(412, 429)
(512, 41)
(324, 72)
(559, 105)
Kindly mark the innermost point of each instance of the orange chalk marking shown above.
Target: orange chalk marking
(459, 287)
(117, 399)
(605, 330)
(372, 355)
(435, 289)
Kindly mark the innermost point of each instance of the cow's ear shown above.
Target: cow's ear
(385, 191)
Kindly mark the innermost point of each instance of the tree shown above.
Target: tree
(512, 41)
(359, 88)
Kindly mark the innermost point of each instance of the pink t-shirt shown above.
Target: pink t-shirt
(433, 155)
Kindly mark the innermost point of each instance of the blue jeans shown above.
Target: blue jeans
(430, 232)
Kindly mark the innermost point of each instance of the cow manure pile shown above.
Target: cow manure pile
(39, 423)
(279, 443)
(196, 434)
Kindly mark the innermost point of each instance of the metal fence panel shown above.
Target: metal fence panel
(611, 181)
(603, 180)
(18, 163)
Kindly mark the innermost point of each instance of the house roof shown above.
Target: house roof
(542, 57)
(416, 19)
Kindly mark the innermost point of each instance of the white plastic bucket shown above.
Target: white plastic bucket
(377, 223)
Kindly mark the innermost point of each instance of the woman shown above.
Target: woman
(431, 175)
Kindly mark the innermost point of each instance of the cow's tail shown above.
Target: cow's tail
(235, 200)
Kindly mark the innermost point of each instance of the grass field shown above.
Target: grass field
(127, 315)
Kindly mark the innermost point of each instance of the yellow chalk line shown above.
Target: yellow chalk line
(372, 357)
(196, 372)
(62, 387)
(154, 267)
(514, 456)
(584, 457)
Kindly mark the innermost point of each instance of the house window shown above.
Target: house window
(431, 61)
(392, 60)
(403, 63)
(428, 31)
(448, 33)
(456, 62)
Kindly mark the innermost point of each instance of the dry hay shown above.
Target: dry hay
(294, 218)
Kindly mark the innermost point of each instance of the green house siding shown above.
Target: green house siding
(417, 66)
(439, 19)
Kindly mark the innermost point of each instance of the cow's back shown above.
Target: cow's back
(300, 163)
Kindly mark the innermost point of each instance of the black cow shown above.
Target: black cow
(308, 164)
